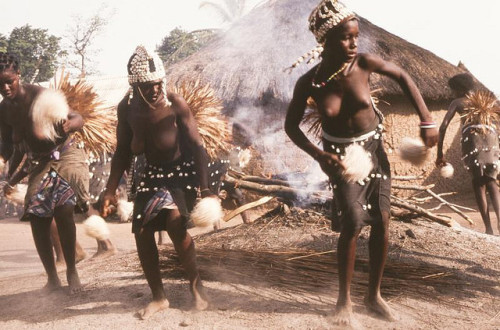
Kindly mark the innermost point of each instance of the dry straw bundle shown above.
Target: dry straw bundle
(99, 132)
(481, 108)
(206, 108)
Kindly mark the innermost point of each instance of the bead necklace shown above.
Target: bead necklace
(333, 76)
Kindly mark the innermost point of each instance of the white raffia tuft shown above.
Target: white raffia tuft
(18, 194)
(96, 227)
(358, 163)
(48, 109)
(207, 212)
(447, 170)
(244, 157)
(124, 210)
(413, 151)
(2, 165)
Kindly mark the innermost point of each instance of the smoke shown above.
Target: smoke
(281, 157)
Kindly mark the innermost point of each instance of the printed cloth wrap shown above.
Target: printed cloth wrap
(480, 152)
(58, 178)
(357, 204)
(168, 186)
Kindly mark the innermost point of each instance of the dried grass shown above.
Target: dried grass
(306, 272)
(481, 108)
(206, 108)
(99, 132)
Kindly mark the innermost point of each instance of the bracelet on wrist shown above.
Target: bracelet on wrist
(428, 124)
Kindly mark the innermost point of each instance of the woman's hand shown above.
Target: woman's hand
(440, 162)
(330, 163)
(107, 203)
(429, 136)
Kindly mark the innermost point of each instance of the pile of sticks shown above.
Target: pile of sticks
(292, 191)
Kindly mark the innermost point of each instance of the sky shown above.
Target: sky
(454, 30)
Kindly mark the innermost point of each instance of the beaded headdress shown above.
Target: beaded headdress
(326, 16)
(146, 66)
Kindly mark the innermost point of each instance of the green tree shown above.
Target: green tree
(37, 50)
(3, 43)
(179, 44)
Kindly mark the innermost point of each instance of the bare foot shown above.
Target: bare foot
(200, 302)
(153, 307)
(51, 286)
(343, 315)
(380, 307)
(104, 253)
(80, 255)
(74, 282)
(104, 249)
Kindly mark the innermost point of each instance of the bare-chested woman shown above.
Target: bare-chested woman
(161, 127)
(57, 177)
(340, 87)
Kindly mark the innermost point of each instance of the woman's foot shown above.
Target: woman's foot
(343, 314)
(380, 307)
(153, 307)
(74, 282)
(52, 285)
(199, 297)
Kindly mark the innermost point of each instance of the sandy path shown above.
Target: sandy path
(18, 255)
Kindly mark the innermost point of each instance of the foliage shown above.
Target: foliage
(179, 44)
(3, 43)
(37, 50)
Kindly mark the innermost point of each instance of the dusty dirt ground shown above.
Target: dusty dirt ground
(278, 273)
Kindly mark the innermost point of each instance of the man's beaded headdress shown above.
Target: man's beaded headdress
(326, 16)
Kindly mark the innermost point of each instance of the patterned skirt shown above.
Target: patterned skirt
(169, 186)
(357, 204)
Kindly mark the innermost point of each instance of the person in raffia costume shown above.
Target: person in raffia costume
(339, 85)
(479, 115)
(160, 126)
(58, 173)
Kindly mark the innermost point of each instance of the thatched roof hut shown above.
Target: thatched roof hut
(246, 63)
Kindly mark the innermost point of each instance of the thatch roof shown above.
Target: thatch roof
(246, 62)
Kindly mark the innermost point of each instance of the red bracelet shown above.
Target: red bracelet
(428, 124)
